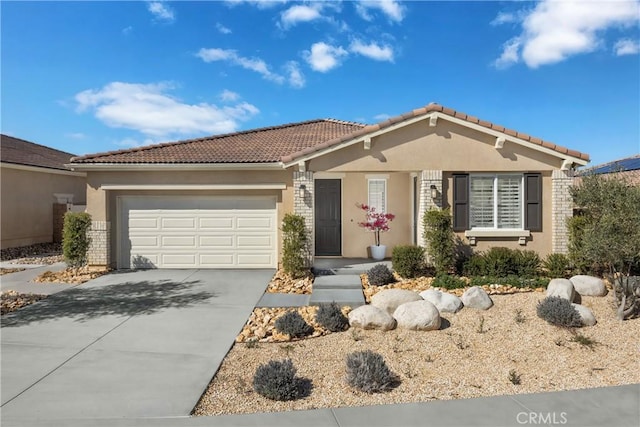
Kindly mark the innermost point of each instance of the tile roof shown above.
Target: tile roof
(264, 145)
(286, 143)
(21, 152)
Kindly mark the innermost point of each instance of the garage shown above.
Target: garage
(197, 232)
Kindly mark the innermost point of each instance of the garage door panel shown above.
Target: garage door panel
(145, 241)
(253, 242)
(209, 242)
(179, 241)
(259, 222)
(143, 223)
(141, 260)
(254, 259)
(178, 260)
(217, 260)
(216, 223)
(172, 223)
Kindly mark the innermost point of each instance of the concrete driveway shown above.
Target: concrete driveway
(133, 344)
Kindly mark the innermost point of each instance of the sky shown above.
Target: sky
(88, 76)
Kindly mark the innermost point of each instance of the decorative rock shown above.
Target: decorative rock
(588, 319)
(444, 302)
(561, 288)
(476, 297)
(418, 316)
(589, 285)
(370, 317)
(390, 299)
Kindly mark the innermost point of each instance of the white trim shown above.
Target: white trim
(175, 166)
(182, 187)
(500, 142)
(329, 175)
(495, 177)
(41, 169)
(498, 232)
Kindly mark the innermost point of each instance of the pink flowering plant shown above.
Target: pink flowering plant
(375, 221)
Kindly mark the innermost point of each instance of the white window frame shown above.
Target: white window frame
(384, 181)
(495, 200)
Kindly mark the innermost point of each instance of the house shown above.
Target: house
(37, 189)
(627, 168)
(218, 201)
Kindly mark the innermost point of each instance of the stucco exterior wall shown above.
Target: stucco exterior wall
(27, 203)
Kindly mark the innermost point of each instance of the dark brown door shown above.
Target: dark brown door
(328, 220)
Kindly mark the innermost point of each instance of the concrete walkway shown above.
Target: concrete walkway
(131, 345)
(22, 281)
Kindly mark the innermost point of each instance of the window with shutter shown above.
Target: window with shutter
(460, 202)
(378, 194)
(496, 201)
(509, 212)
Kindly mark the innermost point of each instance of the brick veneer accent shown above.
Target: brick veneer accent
(303, 206)
(99, 248)
(561, 209)
(59, 209)
(426, 180)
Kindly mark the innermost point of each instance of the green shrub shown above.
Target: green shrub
(474, 266)
(292, 324)
(380, 275)
(277, 381)
(527, 263)
(294, 245)
(559, 311)
(439, 235)
(448, 281)
(330, 316)
(503, 262)
(557, 265)
(408, 260)
(75, 238)
(367, 371)
(516, 281)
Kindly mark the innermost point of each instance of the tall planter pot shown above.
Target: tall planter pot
(378, 252)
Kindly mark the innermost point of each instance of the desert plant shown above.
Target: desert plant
(292, 324)
(514, 377)
(515, 281)
(408, 260)
(277, 380)
(626, 294)
(527, 263)
(557, 265)
(559, 311)
(75, 238)
(448, 281)
(520, 318)
(330, 316)
(294, 245)
(584, 341)
(367, 371)
(439, 235)
(380, 275)
(503, 262)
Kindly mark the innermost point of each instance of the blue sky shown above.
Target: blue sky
(90, 76)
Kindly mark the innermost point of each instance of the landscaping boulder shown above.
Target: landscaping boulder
(476, 297)
(390, 299)
(562, 288)
(589, 285)
(588, 319)
(444, 302)
(418, 316)
(370, 317)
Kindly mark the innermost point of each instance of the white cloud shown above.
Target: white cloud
(161, 11)
(229, 96)
(260, 4)
(372, 50)
(135, 143)
(381, 117)
(391, 8)
(151, 110)
(128, 30)
(222, 29)
(626, 47)
(300, 13)
(555, 30)
(504, 18)
(231, 56)
(323, 57)
(76, 135)
(296, 78)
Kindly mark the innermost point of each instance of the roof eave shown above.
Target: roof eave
(171, 166)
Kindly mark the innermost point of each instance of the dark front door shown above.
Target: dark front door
(328, 217)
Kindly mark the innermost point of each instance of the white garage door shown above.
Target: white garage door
(204, 232)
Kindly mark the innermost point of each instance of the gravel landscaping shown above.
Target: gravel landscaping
(4, 271)
(42, 253)
(12, 300)
(70, 275)
(474, 353)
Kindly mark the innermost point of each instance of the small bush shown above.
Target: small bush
(380, 275)
(514, 377)
(292, 324)
(503, 262)
(294, 245)
(367, 371)
(330, 316)
(527, 263)
(439, 235)
(557, 265)
(277, 380)
(408, 260)
(75, 238)
(515, 281)
(448, 281)
(559, 311)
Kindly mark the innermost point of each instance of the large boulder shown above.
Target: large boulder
(390, 299)
(370, 317)
(476, 297)
(589, 285)
(588, 319)
(418, 316)
(444, 302)
(562, 288)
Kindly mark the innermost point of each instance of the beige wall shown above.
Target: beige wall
(27, 203)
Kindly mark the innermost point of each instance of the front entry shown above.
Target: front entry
(328, 217)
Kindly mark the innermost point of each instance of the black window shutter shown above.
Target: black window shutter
(533, 201)
(460, 202)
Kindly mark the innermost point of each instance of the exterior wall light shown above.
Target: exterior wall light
(434, 191)
(302, 190)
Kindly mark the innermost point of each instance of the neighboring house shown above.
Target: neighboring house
(36, 191)
(627, 168)
(218, 201)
